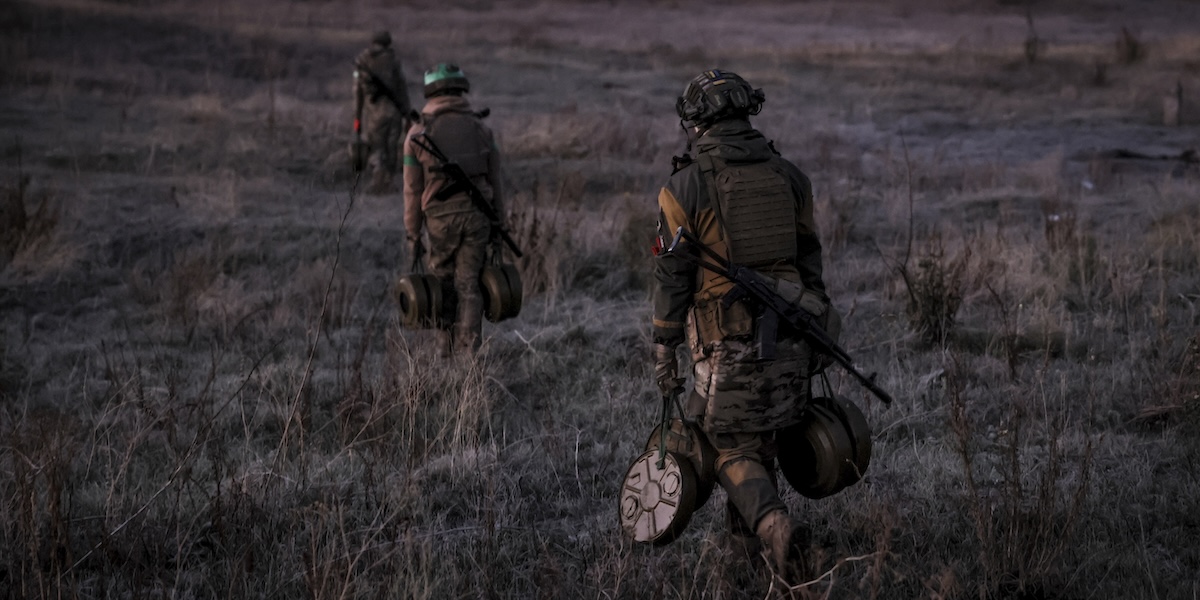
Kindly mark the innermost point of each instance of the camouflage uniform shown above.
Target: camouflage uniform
(385, 121)
(459, 233)
(739, 398)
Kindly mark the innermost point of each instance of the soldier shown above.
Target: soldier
(746, 202)
(381, 103)
(459, 233)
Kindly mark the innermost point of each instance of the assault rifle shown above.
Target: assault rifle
(460, 182)
(748, 283)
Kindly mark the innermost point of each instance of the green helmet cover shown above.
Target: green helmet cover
(444, 77)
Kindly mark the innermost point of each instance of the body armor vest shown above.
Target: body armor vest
(457, 134)
(756, 209)
(759, 214)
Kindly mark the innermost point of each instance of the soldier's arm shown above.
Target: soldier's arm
(495, 178)
(414, 188)
(401, 88)
(808, 241)
(673, 277)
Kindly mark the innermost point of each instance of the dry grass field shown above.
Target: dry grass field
(205, 391)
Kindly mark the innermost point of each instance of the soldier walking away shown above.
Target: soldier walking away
(381, 105)
(743, 200)
(459, 232)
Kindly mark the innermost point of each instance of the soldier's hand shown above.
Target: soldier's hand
(666, 370)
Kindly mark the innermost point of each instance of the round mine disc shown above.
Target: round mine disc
(420, 300)
(516, 291)
(413, 300)
(814, 453)
(844, 448)
(687, 440)
(656, 502)
(501, 288)
(860, 435)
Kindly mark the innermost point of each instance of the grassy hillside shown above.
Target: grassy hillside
(205, 390)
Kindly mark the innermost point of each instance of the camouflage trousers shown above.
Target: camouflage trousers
(457, 249)
(745, 468)
(736, 392)
(385, 128)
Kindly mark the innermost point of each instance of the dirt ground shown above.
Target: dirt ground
(178, 203)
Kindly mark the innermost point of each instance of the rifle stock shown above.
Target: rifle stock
(461, 182)
(748, 282)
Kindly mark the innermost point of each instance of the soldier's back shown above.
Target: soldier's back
(380, 64)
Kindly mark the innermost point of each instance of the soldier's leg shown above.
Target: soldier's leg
(744, 462)
(469, 263)
(743, 475)
(377, 129)
(444, 245)
(389, 146)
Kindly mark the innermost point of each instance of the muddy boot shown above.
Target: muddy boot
(740, 541)
(785, 543)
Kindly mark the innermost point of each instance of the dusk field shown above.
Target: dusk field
(206, 392)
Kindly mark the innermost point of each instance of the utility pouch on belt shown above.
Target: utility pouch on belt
(827, 316)
(713, 321)
(794, 292)
(735, 320)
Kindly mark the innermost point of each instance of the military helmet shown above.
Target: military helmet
(715, 95)
(443, 78)
(381, 38)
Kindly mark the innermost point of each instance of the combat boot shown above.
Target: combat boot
(785, 542)
(740, 541)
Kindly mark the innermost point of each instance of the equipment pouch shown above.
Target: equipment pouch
(705, 317)
(735, 321)
(794, 292)
(692, 333)
(813, 303)
(790, 291)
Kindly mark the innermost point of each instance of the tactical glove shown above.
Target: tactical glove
(666, 370)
